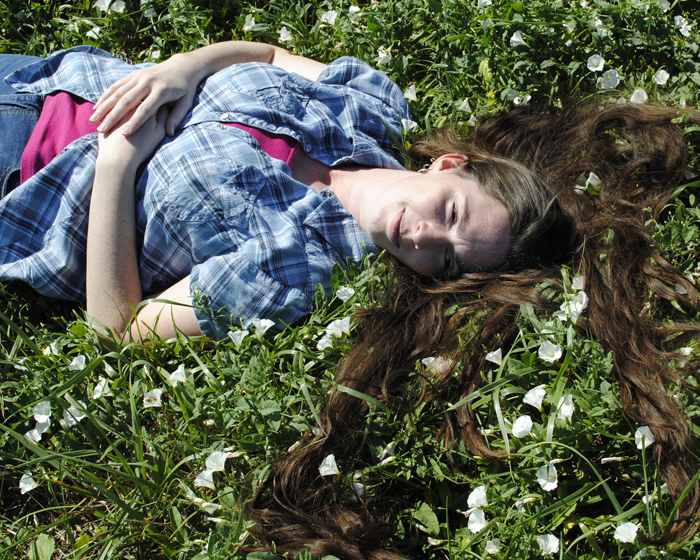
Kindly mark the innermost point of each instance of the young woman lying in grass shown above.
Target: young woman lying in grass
(636, 152)
(279, 171)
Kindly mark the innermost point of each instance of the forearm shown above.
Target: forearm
(113, 285)
(212, 58)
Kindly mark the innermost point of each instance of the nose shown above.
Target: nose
(427, 235)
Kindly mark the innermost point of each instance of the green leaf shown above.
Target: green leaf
(42, 548)
(428, 520)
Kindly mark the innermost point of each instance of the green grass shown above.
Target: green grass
(120, 483)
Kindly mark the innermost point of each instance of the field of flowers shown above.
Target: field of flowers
(153, 452)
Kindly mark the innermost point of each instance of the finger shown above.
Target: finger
(178, 113)
(146, 110)
(110, 90)
(129, 100)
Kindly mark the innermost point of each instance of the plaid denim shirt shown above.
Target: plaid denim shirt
(210, 202)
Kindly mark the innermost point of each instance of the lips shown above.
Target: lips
(395, 229)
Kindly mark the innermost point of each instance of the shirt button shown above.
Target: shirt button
(224, 115)
(327, 193)
(271, 126)
(308, 148)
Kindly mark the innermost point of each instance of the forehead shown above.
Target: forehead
(483, 239)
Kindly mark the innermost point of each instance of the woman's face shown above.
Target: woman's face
(438, 223)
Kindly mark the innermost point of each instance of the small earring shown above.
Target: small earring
(424, 170)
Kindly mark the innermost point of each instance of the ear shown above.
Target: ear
(449, 161)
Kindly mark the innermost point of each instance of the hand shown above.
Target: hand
(144, 91)
(131, 151)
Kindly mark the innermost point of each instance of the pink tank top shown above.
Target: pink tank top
(65, 118)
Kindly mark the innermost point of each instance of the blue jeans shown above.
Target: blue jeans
(19, 113)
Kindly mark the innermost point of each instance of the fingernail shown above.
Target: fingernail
(101, 128)
(93, 118)
(126, 130)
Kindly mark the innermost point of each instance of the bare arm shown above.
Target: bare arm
(113, 282)
(175, 82)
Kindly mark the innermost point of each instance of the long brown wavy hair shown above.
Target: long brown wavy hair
(639, 155)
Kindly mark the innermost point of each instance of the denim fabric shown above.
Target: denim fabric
(211, 203)
(19, 113)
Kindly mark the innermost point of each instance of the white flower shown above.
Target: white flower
(152, 398)
(262, 325)
(103, 5)
(33, 435)
(93, 33)
(605, 460)
(664, 5)
(661, 77)
(595, 63)
(434, 542)
(522, 100)
(216, 461)
(339, 326)
(577, 283)
(575, 306)
(285, 35)
(178, 376)
(27, 483)
(593, 179)
(570, 26)
(627, 532)
(383, 56)
(486, 23)
(600, 29)
(477, 521)
(149, 11)
(329, 17)
(643, 437)
(639, 96)
(118, 6)
(408, 125)
(664, 489)
(358, 489)
(353, 9)
(534, 397)
(547, 477)
(40, 429)
(325, 342)
(328, 466)
(50, 350)
(477, 497)
(42, 411)
(685, 351)
(464, 106)
(210, 508)
(249, 24)
(74, 415)
(522, 426)
(520, 504)
(484, 3)
(345, 293)
(511, 94)
(388, 451)
(101, 389)
(237, 337)
(682, 25)
(205, 478)
(472, 121)
(609, 79)
(493, 546)
(549, 352)
(438, 365)
(495, 357)
(549, 544)
(565, 408)
(77, 364)
(410, 93)
(517, 39)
